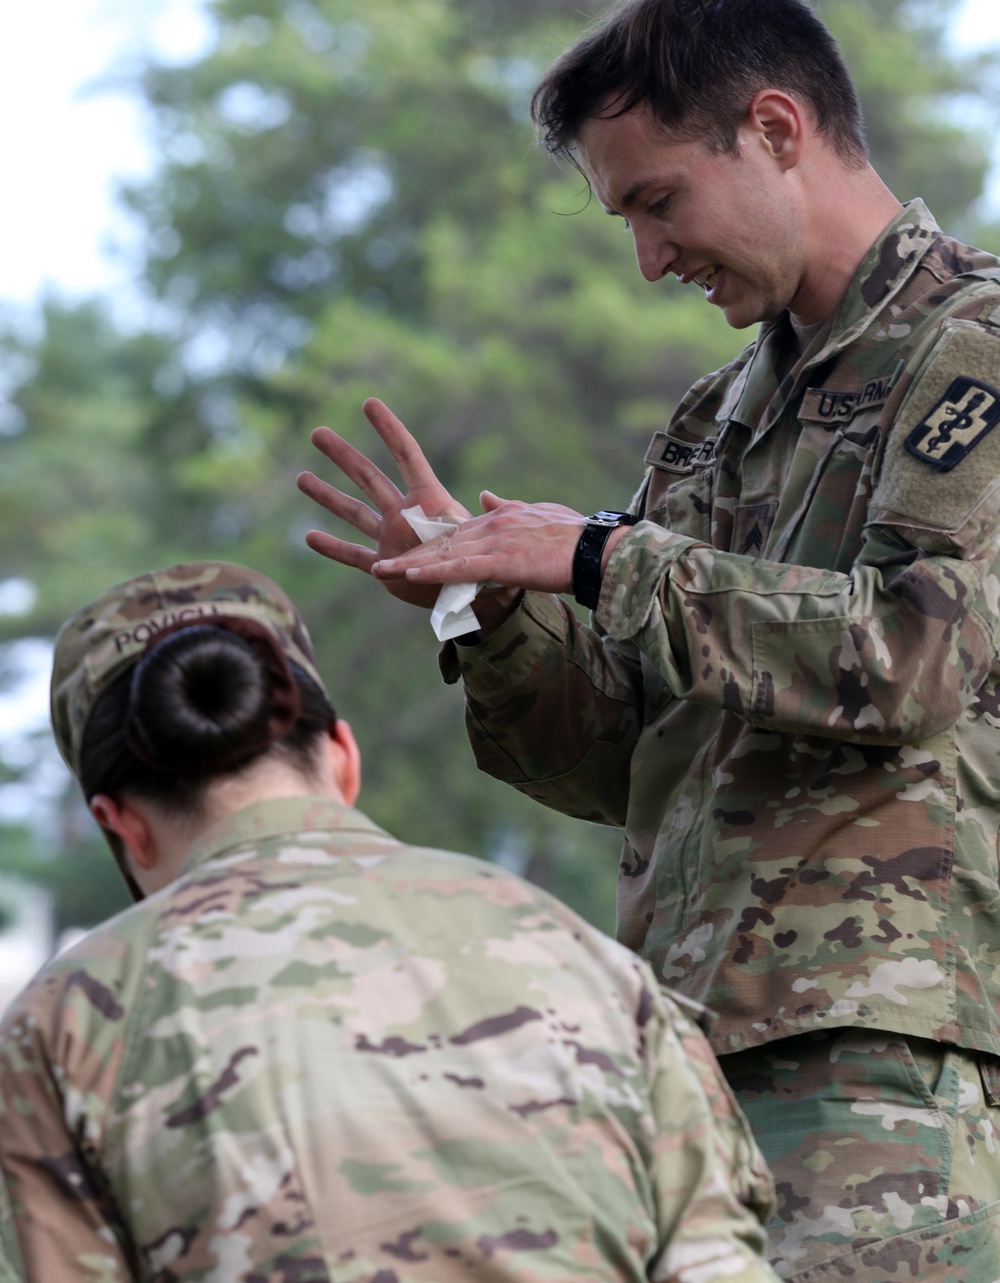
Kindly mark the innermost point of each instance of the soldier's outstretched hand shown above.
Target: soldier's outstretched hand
(381, 522)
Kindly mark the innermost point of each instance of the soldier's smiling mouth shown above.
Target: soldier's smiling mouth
(707, 279)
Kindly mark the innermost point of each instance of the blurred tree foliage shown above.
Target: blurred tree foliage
(348, 202)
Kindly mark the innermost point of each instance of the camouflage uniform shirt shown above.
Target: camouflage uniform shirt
(321, 1055)
(790, 698)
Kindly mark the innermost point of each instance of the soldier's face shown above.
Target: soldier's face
(728, 223)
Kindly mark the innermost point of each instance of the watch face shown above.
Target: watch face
(606, 518)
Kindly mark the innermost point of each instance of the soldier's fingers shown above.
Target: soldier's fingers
(353, 511)
(433, 551)
(348, 554)
(369, 479)
(417, 472)
(460, 569)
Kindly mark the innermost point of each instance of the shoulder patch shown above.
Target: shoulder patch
(959, 421)
(942, 457)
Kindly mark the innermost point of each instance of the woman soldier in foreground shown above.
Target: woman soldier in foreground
(311, 1052)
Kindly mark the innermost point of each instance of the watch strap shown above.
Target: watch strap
(589, 551)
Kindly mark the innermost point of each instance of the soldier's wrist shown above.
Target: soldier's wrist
(492, 607)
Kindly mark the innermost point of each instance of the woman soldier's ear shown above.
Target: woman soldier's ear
(345, 760)
(129, 823)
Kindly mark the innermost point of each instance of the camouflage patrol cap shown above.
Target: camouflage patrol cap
(111, 634)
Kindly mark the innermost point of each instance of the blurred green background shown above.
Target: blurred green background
(348, 202)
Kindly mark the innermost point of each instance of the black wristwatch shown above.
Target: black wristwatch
(587, 558)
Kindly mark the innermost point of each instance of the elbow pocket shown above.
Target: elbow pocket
(831, 677)
(596, 788)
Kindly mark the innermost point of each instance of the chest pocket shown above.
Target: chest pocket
(827, 487)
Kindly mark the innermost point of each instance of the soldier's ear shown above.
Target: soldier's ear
(779, 124)
(345, 760)
(129, 822)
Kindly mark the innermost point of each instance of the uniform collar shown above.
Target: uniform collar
(275, 818)
(886, 269)
(884, 272)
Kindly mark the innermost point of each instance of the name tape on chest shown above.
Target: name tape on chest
(673, 454)
(956, 424)
(824, 405)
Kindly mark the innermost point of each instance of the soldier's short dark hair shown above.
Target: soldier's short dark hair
(697, 65)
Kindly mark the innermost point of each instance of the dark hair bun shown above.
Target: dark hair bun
(200, 703)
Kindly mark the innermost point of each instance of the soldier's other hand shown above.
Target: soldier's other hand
(519, 545)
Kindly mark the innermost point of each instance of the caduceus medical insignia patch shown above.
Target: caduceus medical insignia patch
(959, 421)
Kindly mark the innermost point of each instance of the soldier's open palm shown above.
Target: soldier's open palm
(381, 522)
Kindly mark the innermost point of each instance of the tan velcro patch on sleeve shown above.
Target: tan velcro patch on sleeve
(942, 458)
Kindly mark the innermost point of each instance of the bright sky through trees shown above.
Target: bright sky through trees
(68, 134)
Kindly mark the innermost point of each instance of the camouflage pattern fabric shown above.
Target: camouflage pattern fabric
(322, 1055)
(110, 634)
(11, 1270)
(790, 698)
(884, 1155)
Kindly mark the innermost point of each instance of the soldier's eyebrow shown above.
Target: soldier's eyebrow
(630, 198)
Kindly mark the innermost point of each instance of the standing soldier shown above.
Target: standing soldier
(789, 697)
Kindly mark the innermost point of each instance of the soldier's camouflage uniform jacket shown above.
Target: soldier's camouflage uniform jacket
(321, 1055)
(790, 698)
